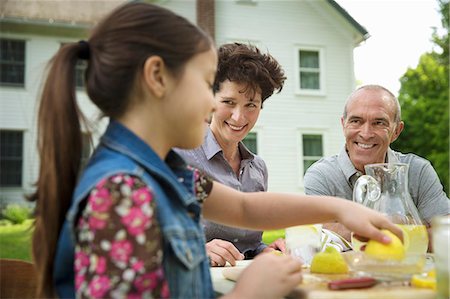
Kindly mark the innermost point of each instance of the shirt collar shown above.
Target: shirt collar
(211, 147)
(347, 166)
(350, 172)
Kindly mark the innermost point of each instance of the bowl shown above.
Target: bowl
(364, 265)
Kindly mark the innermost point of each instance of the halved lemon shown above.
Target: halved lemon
(424, 281)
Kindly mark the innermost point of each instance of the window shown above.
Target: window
(250, 142)
(310, 72)
(11, 158)
(312, 150)
(80, 69)
(12, 62)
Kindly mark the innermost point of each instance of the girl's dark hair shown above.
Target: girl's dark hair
(246, 64)
(116, 53)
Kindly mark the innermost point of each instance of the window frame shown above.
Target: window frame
(297, 70)
(310, 158)
(256, 137)
(21, 158)
(324, 132)
(22, 63)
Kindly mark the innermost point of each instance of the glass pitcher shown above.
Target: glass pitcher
(384, 188)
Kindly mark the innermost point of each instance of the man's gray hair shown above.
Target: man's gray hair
(398, 112)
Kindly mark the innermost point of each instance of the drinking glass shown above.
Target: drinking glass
(304, 241)
(441, 240)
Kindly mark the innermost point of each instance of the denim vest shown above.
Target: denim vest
(185, 262)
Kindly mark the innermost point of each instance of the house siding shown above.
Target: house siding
(280, 27)
(287, 115)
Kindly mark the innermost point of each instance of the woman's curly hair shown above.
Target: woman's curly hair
(246, 64)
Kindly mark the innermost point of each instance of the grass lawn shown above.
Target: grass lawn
(271, 235)
(15, 241)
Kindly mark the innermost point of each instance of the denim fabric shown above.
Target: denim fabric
(178, 212)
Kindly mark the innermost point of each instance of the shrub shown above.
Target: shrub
(17, 214)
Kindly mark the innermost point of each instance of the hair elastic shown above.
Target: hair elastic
(84, 50)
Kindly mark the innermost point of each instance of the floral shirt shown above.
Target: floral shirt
(119, 248)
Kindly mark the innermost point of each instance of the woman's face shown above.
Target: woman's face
(237, 110)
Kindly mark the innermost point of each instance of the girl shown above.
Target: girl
(129, 225)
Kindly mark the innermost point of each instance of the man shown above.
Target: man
(371, 122)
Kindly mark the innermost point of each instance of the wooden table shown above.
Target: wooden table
(315, 286)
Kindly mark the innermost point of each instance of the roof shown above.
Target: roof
(350, 19)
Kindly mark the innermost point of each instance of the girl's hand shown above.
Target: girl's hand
(268, 276)
(366, 223)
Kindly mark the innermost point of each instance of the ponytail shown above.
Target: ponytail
(59, 147)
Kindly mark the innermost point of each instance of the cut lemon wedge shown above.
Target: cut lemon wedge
(423, 281)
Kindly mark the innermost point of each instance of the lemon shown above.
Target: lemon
(424, 281)
(329, 262)
(431, 273)
(392, 251)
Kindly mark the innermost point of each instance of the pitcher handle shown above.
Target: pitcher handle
(366, 190)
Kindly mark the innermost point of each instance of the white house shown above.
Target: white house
(312, 39)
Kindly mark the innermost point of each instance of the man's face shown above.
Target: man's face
(370, 127)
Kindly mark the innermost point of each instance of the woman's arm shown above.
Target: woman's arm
(267, 210)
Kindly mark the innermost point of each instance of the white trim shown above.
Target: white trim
(298, 90)
(324, 132)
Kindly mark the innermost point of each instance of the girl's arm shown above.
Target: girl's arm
(268, 210)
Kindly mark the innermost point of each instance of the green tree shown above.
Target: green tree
(424, 98)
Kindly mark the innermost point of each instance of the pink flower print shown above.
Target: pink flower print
(121, 250)
(141, 196)
(136, 221)
(146, 282)
(99, 286)
(96, 223)
(129, 181)
(134, 296)
(101, 265)
(165, 290)
(100, 201)
(138, 266)
(81, 261)
(101, 184)
(79, 279)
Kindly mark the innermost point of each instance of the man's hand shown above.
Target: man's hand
(279, 244)
(220, 252)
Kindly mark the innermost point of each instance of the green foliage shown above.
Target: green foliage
(15, 241)
(17, 214)
(424, 98)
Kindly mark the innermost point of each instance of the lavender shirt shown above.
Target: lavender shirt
(252, 177)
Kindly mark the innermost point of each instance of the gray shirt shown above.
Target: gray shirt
(252, 178)
(336, 176)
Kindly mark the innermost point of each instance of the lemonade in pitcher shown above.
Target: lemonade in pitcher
(384, 188)
(415, 239)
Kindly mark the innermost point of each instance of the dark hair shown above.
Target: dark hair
(246, 64)
(116, 53)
